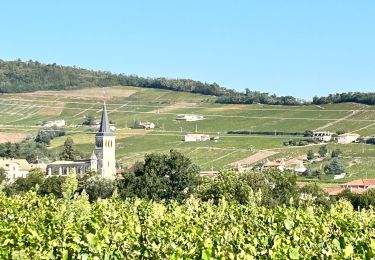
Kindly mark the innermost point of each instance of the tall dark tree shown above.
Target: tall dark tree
(69, 153)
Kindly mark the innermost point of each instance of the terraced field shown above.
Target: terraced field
(24, 114)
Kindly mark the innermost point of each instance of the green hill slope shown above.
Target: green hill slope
(25, 112)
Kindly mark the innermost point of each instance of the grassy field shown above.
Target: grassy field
(24, 114)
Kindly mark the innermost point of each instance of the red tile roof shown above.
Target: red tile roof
(359, 182)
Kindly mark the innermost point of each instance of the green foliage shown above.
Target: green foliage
(323, 151)
(18, 76)
(27, 149)
(310, 155)
(3, 175)
(99, 187)
(161, 176)
(45, 136)
(357, 97)
(33, 180)
(70, 186)
(34, 227)
(336, 153)
(53, 185)
(89, 120)
(274, 187)
(318, 195)
(334, 167)
(69, 153)
(308, 133)
(359, 201)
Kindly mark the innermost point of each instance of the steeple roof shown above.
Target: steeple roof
(93, 156)
(104, 128)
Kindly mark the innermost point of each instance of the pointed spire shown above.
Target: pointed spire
(104, 123)
(93, 156)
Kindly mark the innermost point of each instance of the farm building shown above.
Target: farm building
(57, 123)
(144, 125)
(189, 118)
(347, 138)
(323, 136)
(196, 137)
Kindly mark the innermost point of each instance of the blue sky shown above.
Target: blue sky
(300, 48)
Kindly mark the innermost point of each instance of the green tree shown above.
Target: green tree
(32, 180)
(323, 151)
(336, 153)
(310, 155)
(367, 199)
(308, 133)
(334, 167)
(3, 175)
(99, 187)
(69, 153)
(161, 176)
(318, 195)
(89, 120)
(53, 185)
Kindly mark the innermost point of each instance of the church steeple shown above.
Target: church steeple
(105, 148)
(104, 128)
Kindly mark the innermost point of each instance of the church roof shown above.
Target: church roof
(104, 128)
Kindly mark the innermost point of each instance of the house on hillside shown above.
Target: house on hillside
(277, 164)
(196, 137)
(357, 186)
(57, 123)
(295, 165)
(144, 125)
(189, 118)
(323, 136)
(347, 138)
(15, 168)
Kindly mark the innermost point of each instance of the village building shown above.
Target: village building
(356, 186)
(323, 136)
(56, 123)
(144, 125)
(15, 168)
(295, 165)
(102, 159)
(189, 118)
(196, 137)
(347, 138)
(277, 164)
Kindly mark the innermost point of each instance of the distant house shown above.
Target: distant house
(144, 125)
(186, 117)
(196, 137)
(277, 164)
(295, 165)
(357, 186)
(323, 136)
(15, 168)
(57, 123)
(347, 138)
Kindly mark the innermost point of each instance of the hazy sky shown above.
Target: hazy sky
(300, 48)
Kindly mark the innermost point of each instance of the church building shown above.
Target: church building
(102, 159)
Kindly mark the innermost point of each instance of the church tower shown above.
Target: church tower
(105, 147)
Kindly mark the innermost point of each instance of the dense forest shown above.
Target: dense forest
(28, 76)
(356, 97)
(19, 76)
